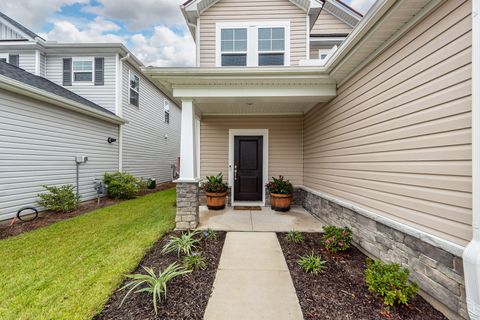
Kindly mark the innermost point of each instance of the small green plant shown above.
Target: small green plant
(121, 185)
(312, 263)
(390, 281)
(184, 244)
(294, 236)
(336, 239)
(154, 284)
(210, 234)
(195, 261)
(215, 184)
(279, 186)
(59, 199)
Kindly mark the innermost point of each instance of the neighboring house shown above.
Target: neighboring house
(109, 76)
(375, 135)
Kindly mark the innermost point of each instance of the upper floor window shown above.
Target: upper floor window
(82, 69)
(166, 109)
(247, 44)
(10, 58)
(134, 89)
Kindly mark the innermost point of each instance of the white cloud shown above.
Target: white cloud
(164, 48)
(361, 5)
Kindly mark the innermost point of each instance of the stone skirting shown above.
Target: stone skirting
(187, 205)
(438, 272)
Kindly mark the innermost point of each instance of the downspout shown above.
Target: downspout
(120, 112)
(471, 254)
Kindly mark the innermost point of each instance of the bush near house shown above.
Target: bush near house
(121, 185)
(59, 199)
(336, 239)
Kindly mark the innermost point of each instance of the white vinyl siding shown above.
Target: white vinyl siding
(38, 145)
(150, 146)
(7, 33)
(26, 59)
(102, 95)
(43, 65)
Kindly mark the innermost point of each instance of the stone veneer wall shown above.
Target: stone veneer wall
(438, 272)
(187, 205)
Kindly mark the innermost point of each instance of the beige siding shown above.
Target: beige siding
(328, 24)
(253, 10)
(397, 138)
(285, 144)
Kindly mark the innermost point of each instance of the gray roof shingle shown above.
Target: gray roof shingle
(30, 79)
(19, 26)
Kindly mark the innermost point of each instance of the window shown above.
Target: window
(271, 46)
(234, 47)
(13, 59)
(82, 69)
(134, 89)
(166, 109)
(4, 57)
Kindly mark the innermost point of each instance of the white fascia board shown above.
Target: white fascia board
(42, 95)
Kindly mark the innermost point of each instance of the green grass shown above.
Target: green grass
(69, 269)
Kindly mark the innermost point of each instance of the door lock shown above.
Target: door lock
(235, 172)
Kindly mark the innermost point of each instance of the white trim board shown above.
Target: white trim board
(231, 145)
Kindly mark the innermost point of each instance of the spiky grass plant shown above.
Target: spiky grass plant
(312, 263)
(210, 234)
(184, 244)
(294, 236)
(195, 261)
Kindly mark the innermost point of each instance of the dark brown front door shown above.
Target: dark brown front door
(248, 168)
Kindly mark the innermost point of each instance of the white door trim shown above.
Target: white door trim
(231, 144)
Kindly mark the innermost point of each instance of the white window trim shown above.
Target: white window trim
(166, 103)
(5, 56)
(83, 83)
(231, 153)
(130, 73)
(252, 39)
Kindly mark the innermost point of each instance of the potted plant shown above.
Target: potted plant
(280, 193)
(216, 192)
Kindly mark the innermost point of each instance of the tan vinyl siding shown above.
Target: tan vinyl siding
(253, 10)
(285, 152)
(397, 138)
(328, 24)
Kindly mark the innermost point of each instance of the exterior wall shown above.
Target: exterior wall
(146, 151)
(253, 10)
(329, 24)
(26, 58)
(43, 65)
(285, 152)
(38, 146)
(397, 138)
(6, 33)
(102, 95)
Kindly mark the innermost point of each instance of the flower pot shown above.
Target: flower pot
(280, 202)
(216, 201)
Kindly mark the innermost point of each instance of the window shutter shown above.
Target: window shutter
(14, 59)
(99, 71)
(67, 71)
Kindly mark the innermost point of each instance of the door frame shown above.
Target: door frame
(231, 150)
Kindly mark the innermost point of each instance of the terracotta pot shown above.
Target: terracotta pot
(216, 201)
(280, 202)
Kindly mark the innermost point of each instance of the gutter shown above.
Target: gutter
(471, 254)
(45, 96)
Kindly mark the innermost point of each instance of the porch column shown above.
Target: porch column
(187, 185)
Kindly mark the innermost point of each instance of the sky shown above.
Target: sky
(154, 30)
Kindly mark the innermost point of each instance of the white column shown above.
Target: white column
(471, 255)
(188, 160)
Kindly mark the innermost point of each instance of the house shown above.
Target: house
(370, 118)
(40, 144)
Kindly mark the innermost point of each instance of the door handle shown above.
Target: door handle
(235, 173)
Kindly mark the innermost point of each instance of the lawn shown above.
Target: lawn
(69, 269)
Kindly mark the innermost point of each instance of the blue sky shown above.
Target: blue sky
(154, 30)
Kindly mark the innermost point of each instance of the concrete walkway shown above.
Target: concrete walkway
(253, 281)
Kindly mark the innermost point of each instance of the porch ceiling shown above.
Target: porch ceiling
(283, 90)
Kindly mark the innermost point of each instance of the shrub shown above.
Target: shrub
(153, 284)
(390, 281)
(294, 236)
(215, 184)
(195, 261)
(279, 186)
(210, 234)
(336, 239)
(312, 263)
(185, 244)
(59, 199)
(121, 185)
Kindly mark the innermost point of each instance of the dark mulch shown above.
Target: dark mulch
(187, 296)
(340, 291)
(46, 218)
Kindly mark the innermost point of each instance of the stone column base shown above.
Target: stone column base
(187, 205)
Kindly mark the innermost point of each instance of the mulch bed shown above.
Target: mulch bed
(340, 291)
(187, 296)
(46, 218)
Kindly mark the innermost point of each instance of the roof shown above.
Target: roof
(41, 83)
(20, 26)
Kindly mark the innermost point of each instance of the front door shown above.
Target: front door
(248, 168)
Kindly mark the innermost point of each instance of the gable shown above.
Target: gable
(327, 23)
(7, 33)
